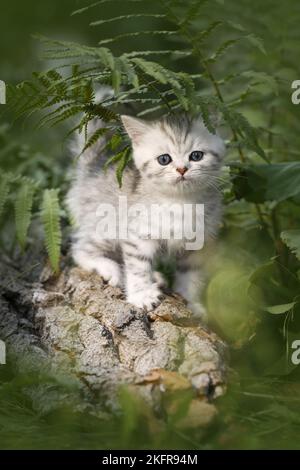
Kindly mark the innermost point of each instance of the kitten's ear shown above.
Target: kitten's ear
(134, 127)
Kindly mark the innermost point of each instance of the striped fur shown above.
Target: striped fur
(131, 263)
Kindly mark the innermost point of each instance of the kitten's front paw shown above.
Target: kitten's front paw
(147, 299)
(111, 272)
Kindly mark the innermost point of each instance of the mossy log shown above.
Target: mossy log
(79, 328)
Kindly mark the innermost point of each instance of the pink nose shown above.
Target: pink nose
(181, 170)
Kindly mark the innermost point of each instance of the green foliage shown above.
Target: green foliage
(261, 183)
(134, 77)
(261, 415)
(205, 58)
(279, 309)
(292, 239)
(92, 140)
(18, 191)
(23, 207)
(232, 62)
(4, 190)
(50, 214)
(124, 158)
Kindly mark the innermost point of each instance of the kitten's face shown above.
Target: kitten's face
(174, 153)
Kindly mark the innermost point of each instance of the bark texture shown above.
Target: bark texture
(77, 326)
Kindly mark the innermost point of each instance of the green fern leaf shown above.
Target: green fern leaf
(94, 138)
(68, 113)
(193, 12)
(136, 34)
(4, 190)
(240, 124)
(127, 17)
(174, 52)
(129, 72)
(292, 239)
(51, 222)
(115, 141)
(23, 207)
(154, 109)
(262, 78)
(116, 76)
(113, 159)
(157, 71)
(206, 114)
(221, 50)
(256, 42)
(47, 117)
(98, 110)
(126, 157)
(203, 35)
(42, 78)
(54, 75)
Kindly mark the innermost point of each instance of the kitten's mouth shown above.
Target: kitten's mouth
(180, 179)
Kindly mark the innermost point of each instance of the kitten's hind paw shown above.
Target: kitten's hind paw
(198, 310)
(147, 299)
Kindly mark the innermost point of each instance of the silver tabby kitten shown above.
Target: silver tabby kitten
(174, 160)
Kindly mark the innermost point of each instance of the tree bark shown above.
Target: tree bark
(79, 327)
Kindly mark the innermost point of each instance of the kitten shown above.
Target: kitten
(175, 159)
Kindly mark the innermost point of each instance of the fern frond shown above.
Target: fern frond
(113, 159)
(23, 207)
(157, 71)
(92, 140)
(203, 35)
(256, 42)
(242, 127)
(221, 50)
(136, 34)
(54, 75)
(127, 17)
(192, 12)
(116, 76)
(173, 52)
(47, 117)
(68, 113)
(155, 109)
(5, 180)
(42, 78)
(50, 215)
(129, 72)
(206, 113)
(126, 157)
(259, 78)
(98, 110)
(115, 141)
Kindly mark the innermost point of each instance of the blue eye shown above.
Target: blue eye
(164, 159)
(196, 156)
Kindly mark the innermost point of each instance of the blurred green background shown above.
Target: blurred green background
(262, 406)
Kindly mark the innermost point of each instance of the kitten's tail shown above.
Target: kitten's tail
(91, 157)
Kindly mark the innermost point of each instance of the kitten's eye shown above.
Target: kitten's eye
(196, 156)
(164, 159)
